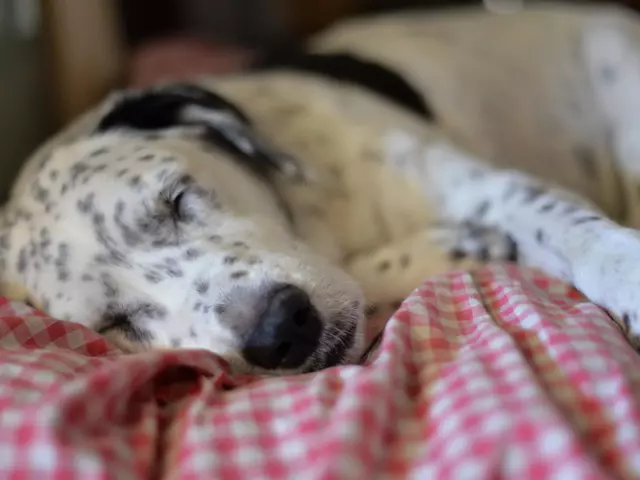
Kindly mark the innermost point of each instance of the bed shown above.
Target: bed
(499, 373)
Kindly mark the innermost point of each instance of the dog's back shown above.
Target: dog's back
(513, 88)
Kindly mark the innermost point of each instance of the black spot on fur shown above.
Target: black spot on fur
(109, 286)
(153, 277)
(219, 309)
(80, 168)
(547, 207)
(62, 258)
(239, 274)
(626, 320)
(130, 237)
(44, 161)
(587, 219)
(4, 241)
(99, 151)
(62, 262)
(197, 306)
(253, 260)
(113, 257)
(24, 215)
(135, 181)
(159, 226)
(64, 275)
(22, 263)
(122, 172)
(192, 254)
(192, 333)
(147, 157)
(532, 192)
(33, 248)
(40, 194)
(482, 209)
(383, 266)
(85, 205)
(230, 260)
(539, 236)
(349, 68)
(86, 277)
(202, 287)
(405, 260)
(215, 238)
(239, 244)
(457, 254)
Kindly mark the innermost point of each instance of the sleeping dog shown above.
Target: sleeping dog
(263, 215)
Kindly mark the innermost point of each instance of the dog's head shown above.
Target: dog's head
(162, 229)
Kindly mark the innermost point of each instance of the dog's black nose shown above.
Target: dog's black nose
(287, 333)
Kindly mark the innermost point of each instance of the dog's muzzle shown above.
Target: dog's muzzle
(287, 333)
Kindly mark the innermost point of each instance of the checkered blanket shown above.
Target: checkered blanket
(502, 373)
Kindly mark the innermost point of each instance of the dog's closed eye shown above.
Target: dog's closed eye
(177, 205)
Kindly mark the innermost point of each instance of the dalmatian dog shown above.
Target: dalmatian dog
(263, 215)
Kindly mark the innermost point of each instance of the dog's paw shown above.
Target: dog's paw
(474, 242)
(609, 276)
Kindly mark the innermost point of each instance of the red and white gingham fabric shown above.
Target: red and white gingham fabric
(503, 373)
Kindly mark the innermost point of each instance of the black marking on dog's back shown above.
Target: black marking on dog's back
(348, 68)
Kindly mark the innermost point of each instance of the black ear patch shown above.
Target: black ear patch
(348, 68)
(225, 125)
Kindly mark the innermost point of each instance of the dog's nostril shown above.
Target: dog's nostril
(287, 332)
(300, 318)
(283, 349)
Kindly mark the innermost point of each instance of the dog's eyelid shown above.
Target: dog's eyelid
(178, 201)
(174, 200)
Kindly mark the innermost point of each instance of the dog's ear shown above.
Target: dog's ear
(223, 123)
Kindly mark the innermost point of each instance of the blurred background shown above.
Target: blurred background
(58, 57)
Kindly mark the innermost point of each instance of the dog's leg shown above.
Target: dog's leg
(558, 232)
(392, 272)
